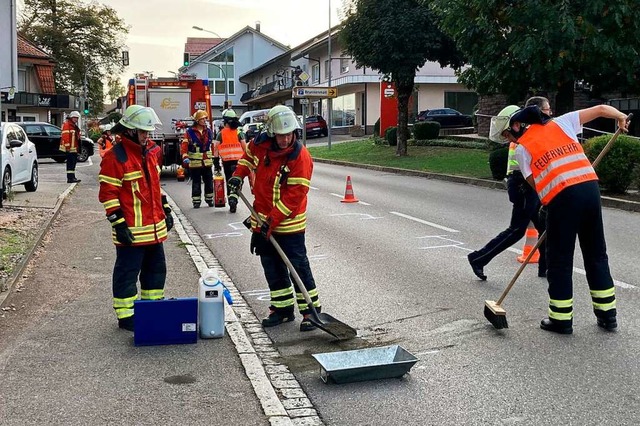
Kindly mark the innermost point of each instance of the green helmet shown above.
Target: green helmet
(139, 117)
(281, 120)
(500, 123)
(229, 113)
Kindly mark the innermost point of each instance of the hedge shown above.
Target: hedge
(616, 171)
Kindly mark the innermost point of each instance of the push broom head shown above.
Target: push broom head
(495, 314)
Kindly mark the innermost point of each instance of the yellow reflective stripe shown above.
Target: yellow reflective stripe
(132, 175)
(126, 302)
(604, 306)
(147, 228)
(298, 181)
(560, 316)
(284, 209)
(243, 162)
(111, 204)
(123, 313)
(561, 303)
(282, 303)
(281, 293)
(154, 294)
(68, 131)
(117, 221)
(109, 180)
(601, 294)
(137, 205)
(195, 155)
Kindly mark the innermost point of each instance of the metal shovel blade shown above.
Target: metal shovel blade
(334, 327)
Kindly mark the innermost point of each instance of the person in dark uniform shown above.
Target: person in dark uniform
(523, 197)
(553, 162)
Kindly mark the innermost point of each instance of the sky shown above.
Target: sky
(159, 28)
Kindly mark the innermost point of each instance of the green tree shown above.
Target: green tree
(519, 47)
(85, 40)
(396, 37)
(115, 89)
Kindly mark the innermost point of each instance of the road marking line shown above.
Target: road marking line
(424, 222)
(340, 196)
(366, 216)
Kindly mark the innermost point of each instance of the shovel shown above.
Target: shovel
(324, 322)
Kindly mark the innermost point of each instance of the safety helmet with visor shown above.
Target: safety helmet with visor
(74, 114)
(139, 117)
(281, 120)
(500, 123)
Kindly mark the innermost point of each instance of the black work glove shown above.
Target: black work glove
(167, 212)
(123, 234)
(234, 185)
(542, 214)
(260, 246)
(265, 230)
(216, 164)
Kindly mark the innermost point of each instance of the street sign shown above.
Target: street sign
(304, 101)
(315, 92)
(304, 76)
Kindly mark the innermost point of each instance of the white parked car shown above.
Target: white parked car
(19, 159)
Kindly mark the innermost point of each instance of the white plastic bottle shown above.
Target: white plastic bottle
(211, 305)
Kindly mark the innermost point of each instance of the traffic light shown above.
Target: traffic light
(186, 59)
(86, 107)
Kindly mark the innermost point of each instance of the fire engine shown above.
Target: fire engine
(174, 100)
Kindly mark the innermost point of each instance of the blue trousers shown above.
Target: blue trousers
(526, 205)
(278, 278)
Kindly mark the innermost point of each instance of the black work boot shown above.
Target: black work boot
(210, 203)
(609, 324)
(233, 205)
(556, 326)
(277, 318)
(126, 323)
(306, 324)
(196, 205)
(476, 268)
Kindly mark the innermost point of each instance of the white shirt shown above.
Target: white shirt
(570, 125)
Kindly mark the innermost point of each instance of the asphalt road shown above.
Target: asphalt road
(394, 267)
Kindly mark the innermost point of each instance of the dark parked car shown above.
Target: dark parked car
(447, 117)
(46, 138)
(316, 126)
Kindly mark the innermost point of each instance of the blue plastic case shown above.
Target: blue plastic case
(165, 322)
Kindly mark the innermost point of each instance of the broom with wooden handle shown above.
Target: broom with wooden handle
(493, 311)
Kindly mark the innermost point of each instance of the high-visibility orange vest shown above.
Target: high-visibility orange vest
(229, 148)
(557, 160)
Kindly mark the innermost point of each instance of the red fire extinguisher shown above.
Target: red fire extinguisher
(218, 190)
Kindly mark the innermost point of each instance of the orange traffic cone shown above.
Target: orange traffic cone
(349, 197)
(531, 237)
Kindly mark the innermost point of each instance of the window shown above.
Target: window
(34, 130)
(53, 131)
(465, 102)
(22, 80)
(326, 69)
(221, 69)
(344, 65)
(315, 73)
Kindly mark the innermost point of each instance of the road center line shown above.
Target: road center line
(424, 222)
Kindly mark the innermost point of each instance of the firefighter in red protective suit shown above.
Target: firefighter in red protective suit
(69, 143)
(196, 154)
(105, 142)
(283, 168)
(230, 146)
(139, 214)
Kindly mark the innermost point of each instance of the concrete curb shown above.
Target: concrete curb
(610, 202)
(17, 273)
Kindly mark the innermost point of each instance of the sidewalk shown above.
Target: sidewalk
(63, 359)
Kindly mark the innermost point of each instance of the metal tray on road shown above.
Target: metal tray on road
(365, 364)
